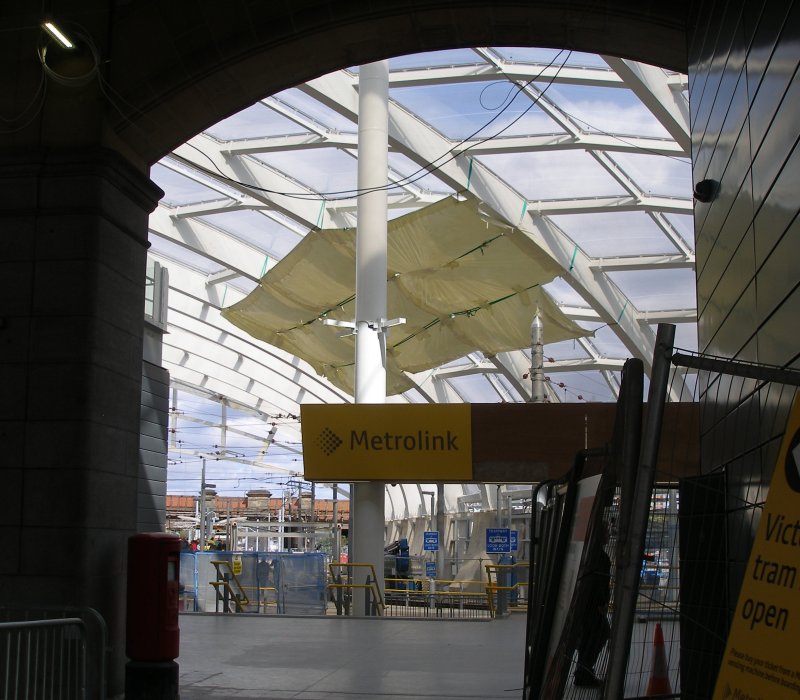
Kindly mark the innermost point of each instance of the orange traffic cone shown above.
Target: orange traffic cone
(659, 677)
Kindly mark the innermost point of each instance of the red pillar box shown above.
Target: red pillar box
(153, 583)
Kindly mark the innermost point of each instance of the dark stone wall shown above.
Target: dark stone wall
(154, 421)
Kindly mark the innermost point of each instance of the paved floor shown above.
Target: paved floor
(277, 658)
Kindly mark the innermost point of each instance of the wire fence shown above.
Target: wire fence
(280, 583)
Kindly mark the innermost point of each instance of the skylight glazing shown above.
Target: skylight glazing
(586, 155)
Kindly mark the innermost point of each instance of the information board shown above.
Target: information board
(387, 442)
(761, 654)
(430, 542)
(498, 540)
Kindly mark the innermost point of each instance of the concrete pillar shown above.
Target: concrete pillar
(73, 228)
(367, 498)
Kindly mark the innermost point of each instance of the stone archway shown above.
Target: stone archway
(201, 68)
(77, 215)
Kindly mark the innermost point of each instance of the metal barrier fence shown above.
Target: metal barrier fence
(296, 584)
(253, 582)
(342, 586)
(505, 588)
(56, 635)
(43, 659)
(426, 598)
(441, 600)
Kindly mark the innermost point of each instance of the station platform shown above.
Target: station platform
(334, 658)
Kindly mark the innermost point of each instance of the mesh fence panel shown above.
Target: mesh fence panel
(266, 582)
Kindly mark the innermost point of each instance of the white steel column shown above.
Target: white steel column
(367, 498)
(537, 360)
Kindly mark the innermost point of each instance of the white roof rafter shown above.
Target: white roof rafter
(203, 351)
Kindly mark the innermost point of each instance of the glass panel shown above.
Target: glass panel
(605, 110)
(477, 110)
(615, 233)
(654, 290)
(670, 177)
(554, 174)
(307, 106)
(327, 170)
(545, 56)
(255, 121)
(180, 189)
(257, 229)
(434, 59)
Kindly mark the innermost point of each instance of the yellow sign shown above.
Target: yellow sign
(387, 442)
(237, 564)
(761, 661)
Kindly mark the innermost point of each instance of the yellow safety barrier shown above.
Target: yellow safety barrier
(372, 586)
(494, 587)
(261, 595)
(223, 585)
(445, 598)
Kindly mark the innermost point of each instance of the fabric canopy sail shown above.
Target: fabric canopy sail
(461, 282)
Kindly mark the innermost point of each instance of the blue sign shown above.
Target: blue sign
(498, 539)
(514, 540)
(430, 542)
(430, 569)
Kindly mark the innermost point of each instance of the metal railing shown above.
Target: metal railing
(225, 592)
(264, 583)
(428, 597)
(43, 659)
(505, 586)
(436, 598)
(341, 589)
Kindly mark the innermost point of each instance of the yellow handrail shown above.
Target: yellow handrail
(262, 602)
(373, 586)
(492, 588)
(240, 600)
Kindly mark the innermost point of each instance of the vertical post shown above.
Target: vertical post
(335, 528)
(626, 588)
(440, 527)
(537, 360)
(671, 594)
(312, 518)
(300, 539)
(203, 506)
(367, 498)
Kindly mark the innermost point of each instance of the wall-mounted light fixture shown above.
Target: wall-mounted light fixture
(69, 59)
(57, 34)
(706, 190)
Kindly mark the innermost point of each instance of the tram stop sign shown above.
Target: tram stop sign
(430, 541)
(498, 540)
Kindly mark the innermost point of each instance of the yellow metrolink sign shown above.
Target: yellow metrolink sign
(761, 660)
(387, 442)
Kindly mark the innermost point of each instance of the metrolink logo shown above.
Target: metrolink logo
(328, 442)
(421, 441)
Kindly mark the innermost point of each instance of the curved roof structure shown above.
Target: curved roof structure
(585, 157)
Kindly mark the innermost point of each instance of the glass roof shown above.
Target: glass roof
(587, 155)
